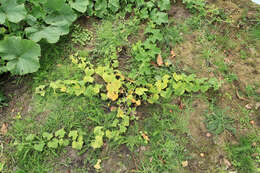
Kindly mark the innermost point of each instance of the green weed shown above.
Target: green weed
(240, 155)
(3, 100)
(255, 33)
(81, 36)
(217, 121)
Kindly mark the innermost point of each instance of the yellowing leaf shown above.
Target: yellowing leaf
(112, 95)
(159, 85)
(40, 90)
(89, 72)
(113, 89)
(120, 113)
(104, 96)
(108, 78)
(97, 165)
(60, 133)
(97, 88)
(77, 145)
(88, 79)
(97, 143)
(177, 77)
(140, 91)
(63, 89)
(109, 134)
(138, 102)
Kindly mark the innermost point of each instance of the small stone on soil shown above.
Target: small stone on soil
(208, 135)
(252, 122)
(249, 106)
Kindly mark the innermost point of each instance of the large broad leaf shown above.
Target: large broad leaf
(159, 17)
(22, 56)
(114, 5)
(164, 4)
(51, 33)
(100, 8)
(12, 11)
(2, 16)
(80, 5)
(55, 5)
(65, 16)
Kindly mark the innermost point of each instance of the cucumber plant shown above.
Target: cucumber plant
(118, 89)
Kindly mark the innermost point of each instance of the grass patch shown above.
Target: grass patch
(241, 154)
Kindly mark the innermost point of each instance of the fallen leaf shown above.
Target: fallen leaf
(159, 60)
(173, 53)
(4, 128)
(184, 163)
(227, 163)
(227, 61)
(181, 105)
(151, 159)
(146, 138)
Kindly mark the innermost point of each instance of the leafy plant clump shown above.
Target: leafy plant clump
(53, 141)
(32, 21)
(217, 121)
(125, 93)
(80, 35)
